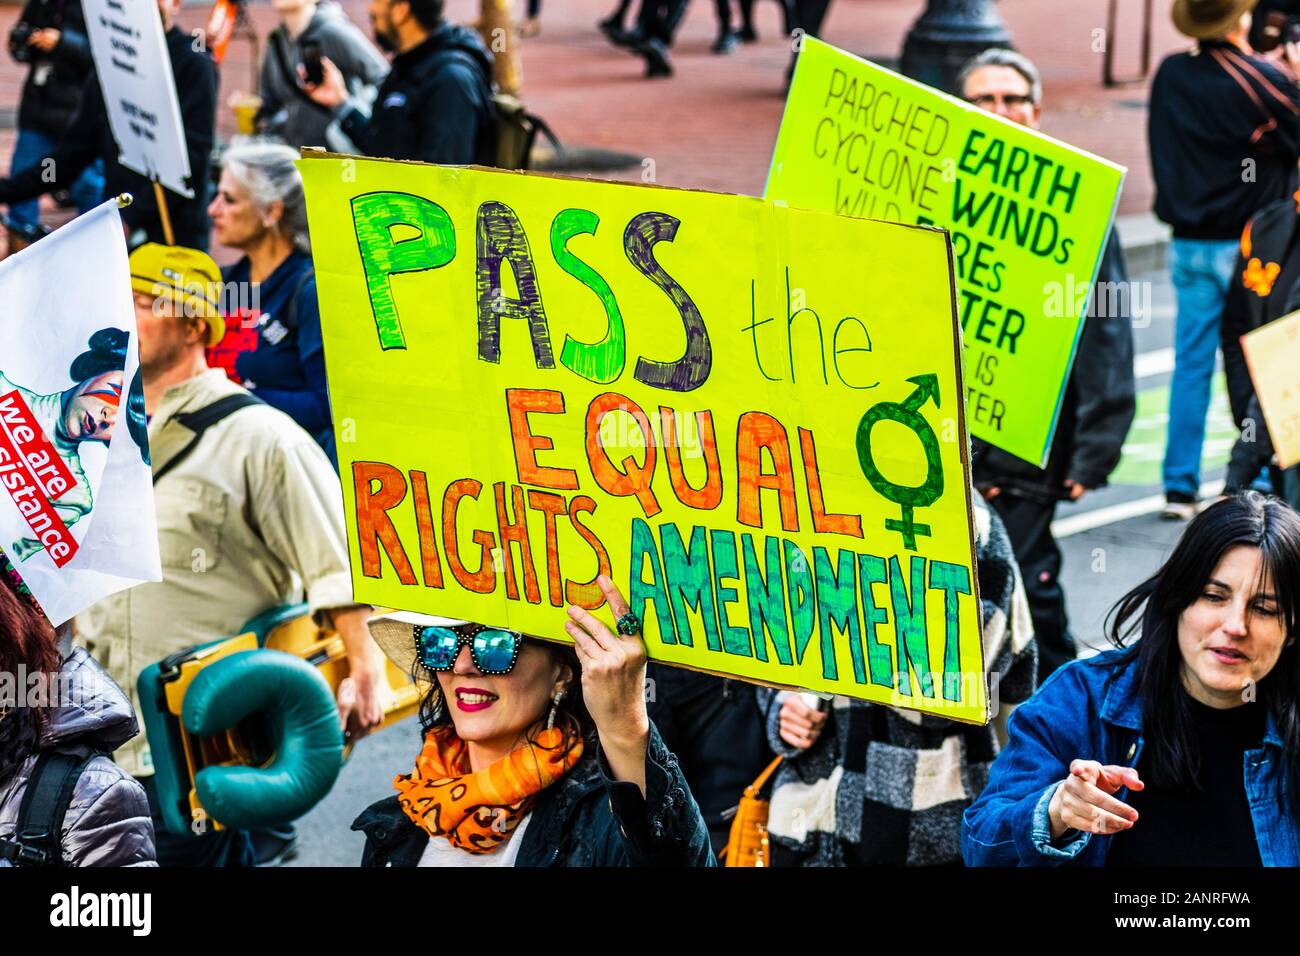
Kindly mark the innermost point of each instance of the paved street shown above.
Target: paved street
(712, 125)
(1103, 561)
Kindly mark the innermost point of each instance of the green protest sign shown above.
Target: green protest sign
(1029, 218)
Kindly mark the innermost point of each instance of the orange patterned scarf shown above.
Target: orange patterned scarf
(477, 812)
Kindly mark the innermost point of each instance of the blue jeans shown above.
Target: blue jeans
(34, 146)
(1201, 271)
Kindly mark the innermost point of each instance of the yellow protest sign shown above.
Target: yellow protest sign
(1029, 218)
(747, 415)
(1273, 355)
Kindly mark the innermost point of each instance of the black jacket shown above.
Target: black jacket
(1259, 16)
(434, 106)
(1265, 287)
(1267, 269)
(586, 819)
(1099, 402)
(90, 137)
(48, 106)
(1224, 133)
(716, 729)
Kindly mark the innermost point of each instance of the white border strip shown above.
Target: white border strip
(1158, 362)
(1090, 520)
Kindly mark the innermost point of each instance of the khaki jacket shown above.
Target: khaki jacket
(251, 519)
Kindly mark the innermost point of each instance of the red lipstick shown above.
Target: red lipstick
(472, 699)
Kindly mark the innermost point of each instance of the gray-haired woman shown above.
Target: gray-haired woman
(273, 340)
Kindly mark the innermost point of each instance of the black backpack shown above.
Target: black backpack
(514, 130)
(38, 839)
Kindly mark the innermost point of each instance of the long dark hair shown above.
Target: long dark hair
(571, 716)
(26, 638)
(1154, 607)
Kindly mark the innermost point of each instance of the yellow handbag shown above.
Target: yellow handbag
(747, 842)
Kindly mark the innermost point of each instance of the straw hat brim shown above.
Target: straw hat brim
(394, 632)
(1188, 25)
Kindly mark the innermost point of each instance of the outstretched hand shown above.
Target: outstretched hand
(1083, 800)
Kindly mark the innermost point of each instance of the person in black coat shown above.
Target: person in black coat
(1265, 287)
(50, 36)
(1097, 409)
(715, 727)
(435, 105)
(1224, 132)
(89, 138)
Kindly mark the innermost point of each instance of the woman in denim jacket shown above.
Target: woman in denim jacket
(1180, 749)
(535, 754)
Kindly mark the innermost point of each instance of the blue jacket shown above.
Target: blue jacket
(586, 819)
(276, 352)
(1075, 715)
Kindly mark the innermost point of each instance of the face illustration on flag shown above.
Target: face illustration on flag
(41, 436)
(76, 503)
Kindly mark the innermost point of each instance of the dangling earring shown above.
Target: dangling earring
(555, 705)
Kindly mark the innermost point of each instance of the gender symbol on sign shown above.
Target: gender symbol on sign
(907, 496)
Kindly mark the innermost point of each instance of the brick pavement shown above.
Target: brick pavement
(712, 125)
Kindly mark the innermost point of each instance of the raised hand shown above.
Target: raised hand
(332, 89)
(613, 684)
(800, 725)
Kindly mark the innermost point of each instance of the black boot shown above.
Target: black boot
(613, 30)
(726, 42)
(657, 62)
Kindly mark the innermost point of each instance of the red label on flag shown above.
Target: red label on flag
(34, 475)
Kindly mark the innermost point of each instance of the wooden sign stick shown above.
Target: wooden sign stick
(162, 211)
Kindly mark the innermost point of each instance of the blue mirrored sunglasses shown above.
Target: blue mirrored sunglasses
(493, 650)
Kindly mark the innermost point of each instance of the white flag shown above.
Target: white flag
(76, 491)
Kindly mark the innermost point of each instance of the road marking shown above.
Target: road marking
(1159, 362)
(1099, 518)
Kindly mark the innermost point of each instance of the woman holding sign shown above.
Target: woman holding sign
(535, 753)
(1180, 749)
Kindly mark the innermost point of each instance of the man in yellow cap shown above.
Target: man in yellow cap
(250, 517)
(185, 283)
